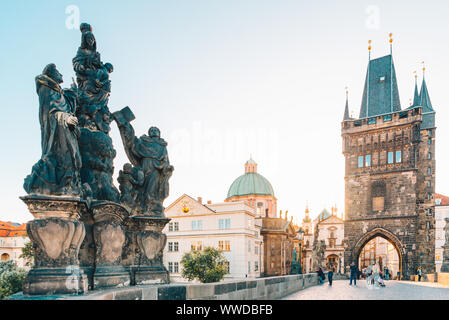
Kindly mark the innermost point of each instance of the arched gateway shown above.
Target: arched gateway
(385, 234)
(390, 171)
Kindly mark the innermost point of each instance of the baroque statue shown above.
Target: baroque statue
(97, 151)
(144, 185)
(57, 172)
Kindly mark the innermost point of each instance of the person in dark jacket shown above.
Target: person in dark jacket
(330, 275)
(353, 273)
(321, 275)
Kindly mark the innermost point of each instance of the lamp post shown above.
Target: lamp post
(339, 263)
(301, 239)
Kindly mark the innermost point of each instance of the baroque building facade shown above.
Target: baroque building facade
(231, 227)
(390, 171)
(13, 237)
(441, 213)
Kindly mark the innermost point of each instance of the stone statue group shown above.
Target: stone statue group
(81, 219)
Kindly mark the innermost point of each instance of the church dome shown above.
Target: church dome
(251, 183)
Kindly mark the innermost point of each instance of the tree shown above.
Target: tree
(208, 265)
(27, 253)
(11, 278)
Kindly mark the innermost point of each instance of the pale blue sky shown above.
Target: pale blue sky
(223, 80)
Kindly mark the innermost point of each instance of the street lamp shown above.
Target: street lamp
(301, 239)
(339, 264)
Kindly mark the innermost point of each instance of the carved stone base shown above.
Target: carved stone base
(48, 281)
(56, 234)
(111, 276)
(148, 275)
(109, 238)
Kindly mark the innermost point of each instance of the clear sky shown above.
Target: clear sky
(223, 80)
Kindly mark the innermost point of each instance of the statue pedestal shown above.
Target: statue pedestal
(56, 234)
(110, 239)
(149, 244)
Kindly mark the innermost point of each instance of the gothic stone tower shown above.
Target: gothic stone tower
(390, 171)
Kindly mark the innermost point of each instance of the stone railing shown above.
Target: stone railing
(252, 289)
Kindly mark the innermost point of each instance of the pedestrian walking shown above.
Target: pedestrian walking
(352, 273)
(330, 275)
(419, 273)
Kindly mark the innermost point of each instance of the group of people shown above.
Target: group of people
(373, 275)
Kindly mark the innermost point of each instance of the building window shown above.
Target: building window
(430, 140)
(176, 267)
(170, 246)
(429, 155)
(197, 245)
(331, 243)
(173, 226)
(249, 246)
(429, 170)
(170, 267)
(256, 266)
(228, 268)
(259, 208)
(197, 225)
(170, 226)
(398, 156)
(390, 157)
(360, 161)
(224, 223)
(429, 184)
(249, 267)
(372, 121)
(387, 117)
(368, 160)
(224, 245)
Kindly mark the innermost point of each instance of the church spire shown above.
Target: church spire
(424, 94)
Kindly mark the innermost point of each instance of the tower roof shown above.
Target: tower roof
(380, 94)
(416, 97)
(424, 98)
(346, 115)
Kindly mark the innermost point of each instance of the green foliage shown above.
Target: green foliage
(27, 253)
(11, 278)
(208, 265)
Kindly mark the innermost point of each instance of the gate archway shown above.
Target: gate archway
(385, 234)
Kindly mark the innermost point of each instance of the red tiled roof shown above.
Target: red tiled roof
(8, 229)
(444, 199)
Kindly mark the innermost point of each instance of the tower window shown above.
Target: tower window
(387, 117)
(430, 140)
(360, 161)
(390, 157)
(429, 170)
(368, 160)
(398, 156)
(372, 121)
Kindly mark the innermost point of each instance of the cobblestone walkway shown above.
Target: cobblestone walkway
(394, 290)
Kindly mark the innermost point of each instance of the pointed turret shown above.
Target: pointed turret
(346, 116)
(424, 98)
(416, 97)
(428, 118)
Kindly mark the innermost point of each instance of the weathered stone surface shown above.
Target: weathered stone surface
(109, 237)
(391, 200)
(57, 172)
(94, 88)
(144, 186)
(56, 236)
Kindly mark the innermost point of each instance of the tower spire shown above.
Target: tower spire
(416, 97)
(424, 94)
(391, 71)
(346, 115)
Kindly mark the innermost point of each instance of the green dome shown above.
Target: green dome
(251, 183)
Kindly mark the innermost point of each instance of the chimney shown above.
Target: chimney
(200, 200)
(209, 202)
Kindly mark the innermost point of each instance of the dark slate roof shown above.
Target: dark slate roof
(424, 98)
(346, 116)
(416, 97)
(380, 94)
